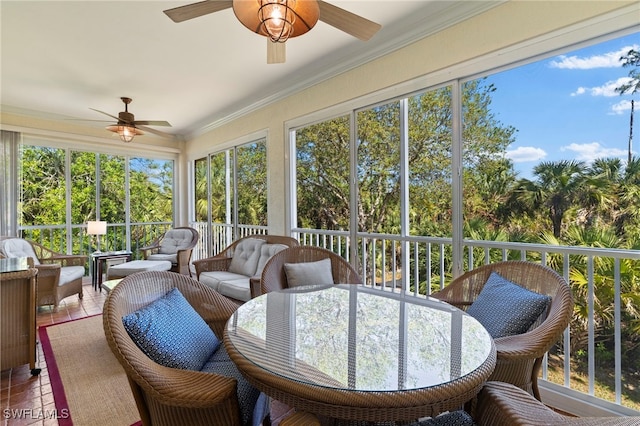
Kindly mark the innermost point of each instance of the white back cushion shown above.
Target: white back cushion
(17, 247)
(309, 273)
(246, 256)
(174, 240)
(266, 251)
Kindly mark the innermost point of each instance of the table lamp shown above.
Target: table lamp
(97, 228)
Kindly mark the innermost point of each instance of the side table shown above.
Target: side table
(18, 314)
(97, 262)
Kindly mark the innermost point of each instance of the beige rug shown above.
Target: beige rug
(85, 376)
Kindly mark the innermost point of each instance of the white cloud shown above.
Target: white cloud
(525, 154)
(588, 152)
(607, 89)
(606, 60)
(621, 107)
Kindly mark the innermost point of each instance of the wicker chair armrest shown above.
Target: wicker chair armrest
(187, 388)
(254, 284)
(216, 263)
(66, 259)
(147, 250)
(48, 270)
(300, 418)
(184, 255)
(48, 266)
(504, 404)
(532, 344)
(151, 247)
(460, 304)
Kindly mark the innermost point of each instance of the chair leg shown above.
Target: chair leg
(534, 378)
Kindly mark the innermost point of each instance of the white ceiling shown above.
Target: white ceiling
(60, 58)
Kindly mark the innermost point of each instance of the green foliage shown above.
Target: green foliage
(631, 59)
(43, 193)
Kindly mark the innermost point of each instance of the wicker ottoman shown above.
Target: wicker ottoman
(128, 268)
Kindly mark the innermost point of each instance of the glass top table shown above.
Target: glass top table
(351, 352)
(14, 264)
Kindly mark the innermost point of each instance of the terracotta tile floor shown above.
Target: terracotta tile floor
(27, 399)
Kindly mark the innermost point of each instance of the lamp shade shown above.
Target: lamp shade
(96, 227)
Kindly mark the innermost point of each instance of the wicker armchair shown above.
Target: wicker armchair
(519, 356)
(59, 275)
(174, 245)
(222, 260)
(502, 404)
(274, 277)
(163, 395)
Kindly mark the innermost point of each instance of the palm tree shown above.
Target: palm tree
(557, 187)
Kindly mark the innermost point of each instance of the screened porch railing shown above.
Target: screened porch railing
(418, 266)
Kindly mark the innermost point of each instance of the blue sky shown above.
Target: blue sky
(565, 107)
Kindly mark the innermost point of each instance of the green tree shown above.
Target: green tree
(631, 59)
(557, 186)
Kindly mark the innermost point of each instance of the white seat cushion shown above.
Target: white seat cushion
(239, 289)
(129, 268)
(173, 258)
(70, 273)
(213, 278)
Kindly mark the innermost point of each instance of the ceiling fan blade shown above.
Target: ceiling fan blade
(88, 119)
(108, 115)
(195, 10)
(276, 52)
(155, 132)
(348, 22)
(152, 123)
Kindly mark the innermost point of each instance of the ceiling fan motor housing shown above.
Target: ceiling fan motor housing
(125, 117)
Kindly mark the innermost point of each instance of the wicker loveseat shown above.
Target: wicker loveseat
(519, 356)
(59, 275)
(235, 271)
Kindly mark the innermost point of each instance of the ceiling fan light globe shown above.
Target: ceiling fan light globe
(126, 135)
(125, 132)
(302, 15)
(278, 18)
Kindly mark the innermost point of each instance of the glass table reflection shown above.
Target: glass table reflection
(351, 352)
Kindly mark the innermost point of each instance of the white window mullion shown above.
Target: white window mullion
(456, 175)
(404, 191)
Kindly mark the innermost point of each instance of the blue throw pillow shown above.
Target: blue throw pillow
(505, 308)
(172, 333)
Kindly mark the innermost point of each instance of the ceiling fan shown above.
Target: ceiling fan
(279, 20)
(128, 127)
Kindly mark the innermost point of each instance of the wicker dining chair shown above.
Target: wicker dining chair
(519, 356)
(274, 276)
(503, 404)
(454, 418)
(163, 395)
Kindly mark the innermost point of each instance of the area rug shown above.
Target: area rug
(86, 378)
